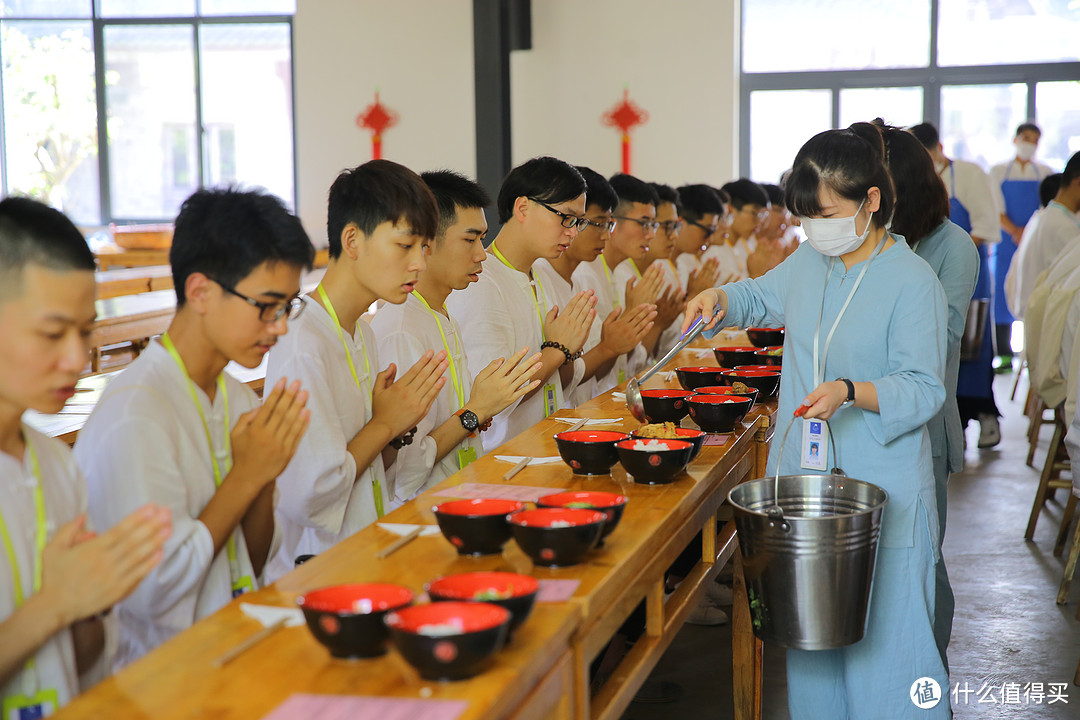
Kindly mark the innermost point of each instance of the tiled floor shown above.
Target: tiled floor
(1008, 631)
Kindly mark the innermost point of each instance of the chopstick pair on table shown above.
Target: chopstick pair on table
(526, 460)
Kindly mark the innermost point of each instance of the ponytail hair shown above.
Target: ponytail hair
(922, 203)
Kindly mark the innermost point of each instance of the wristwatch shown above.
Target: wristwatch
(850, 392)
(468, 418)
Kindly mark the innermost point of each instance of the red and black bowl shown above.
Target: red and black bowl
(729, 391)
(516, 593)
(449, 640)
(589, 452)
(693, 377)
(770, 356)
(611, 504)
(691, 435)
(760, 368)
(657, 465)
(477, 526)
(718, 413)
(555, 537)
(766, 381)
(729, 357)
(765, 337)
(348, 619)
(665, 405)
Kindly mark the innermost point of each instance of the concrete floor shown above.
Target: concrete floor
(1007, 629)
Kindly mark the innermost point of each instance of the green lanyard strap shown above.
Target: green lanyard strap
(455, 376)
(611, 283)
(535, 279)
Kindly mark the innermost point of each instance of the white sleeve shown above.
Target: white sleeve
(981, 205)
(997, 176)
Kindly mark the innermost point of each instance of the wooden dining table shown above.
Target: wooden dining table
(132, 281)
(544, 672)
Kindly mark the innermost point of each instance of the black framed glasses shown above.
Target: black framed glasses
(760, 214)
(567, 221)
(645, 223)
(709, 230)
(601, 225)
(270, 312)
(672, 227)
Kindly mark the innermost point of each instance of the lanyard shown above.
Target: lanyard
(634, 267)
(235, 574)
(376, 486)
(1072, 215)
(534, 279)
(819, 368)
(455, 378)
(611, 282)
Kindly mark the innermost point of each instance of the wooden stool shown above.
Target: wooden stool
(1034, 410)
(1057, 460)
(1074, 553)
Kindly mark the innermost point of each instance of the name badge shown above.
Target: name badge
(41, 704)
(465, 456)
(551, 403)
(243, 585)
(815, 444)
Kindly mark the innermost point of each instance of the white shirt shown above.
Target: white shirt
(1012, 170)
(1049, 231)
(685, 264)
(403, 334)
(64, 494)
(145, 442)
(322, 497)
(591, 276)
(975, 193)
(499, 314)
(559, 292)
(731, 267)
(638, 359)
(671, 334)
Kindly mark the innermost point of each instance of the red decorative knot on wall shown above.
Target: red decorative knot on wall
(377, 118)
(625, 116)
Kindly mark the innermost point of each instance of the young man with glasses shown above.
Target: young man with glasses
(750, 208)
(672, 303)
(541, 207)
(621, 331)
(176, 430)
(700, 210)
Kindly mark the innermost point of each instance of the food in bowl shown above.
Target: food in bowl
(661, 431)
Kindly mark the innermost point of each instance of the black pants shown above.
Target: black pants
(972, 407)
(1003, 340)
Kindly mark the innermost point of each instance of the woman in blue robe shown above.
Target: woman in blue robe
(874, 314)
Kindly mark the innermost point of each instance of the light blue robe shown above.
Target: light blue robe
(893, 334)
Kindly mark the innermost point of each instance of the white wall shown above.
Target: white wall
(420, 55)
(680, 59)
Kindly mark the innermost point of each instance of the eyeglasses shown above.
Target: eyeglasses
(601, 225)
(645, 223)
(672, 227)
(270, 312)
(709, 230)
(761, 214)
(568, 221)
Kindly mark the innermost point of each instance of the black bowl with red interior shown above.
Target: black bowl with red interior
(348, 619)
(691, 435)
(609, 503)
(449, 640)
(695, 376)
(761, 368)
(749, 392)
(517, 593)
(772, 356)
(652, 461)
(767, 381)
(589, 452)
(477, 526)
(765, 337)
(718, 413)
(666, 404)
(556, 537)
(729, 357)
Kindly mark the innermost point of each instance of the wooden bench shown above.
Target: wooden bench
(132, 281)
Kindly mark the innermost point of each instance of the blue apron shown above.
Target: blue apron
(1021, 202)
(975, 378)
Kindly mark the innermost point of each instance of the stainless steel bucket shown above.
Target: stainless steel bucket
(808, 574)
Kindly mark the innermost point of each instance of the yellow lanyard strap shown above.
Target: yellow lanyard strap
(611, 283)
(455, 377)
(533, 278)
(376, 486)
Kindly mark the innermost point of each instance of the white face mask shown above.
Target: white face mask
(835, 236)
(1025, 150)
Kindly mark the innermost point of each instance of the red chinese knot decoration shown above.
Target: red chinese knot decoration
(377, 118)
(625, 116)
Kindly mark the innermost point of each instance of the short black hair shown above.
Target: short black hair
(452, 191)
(225, 233)
(745, 192)
(698, 200)
(776, 195)
(32, 233)
(723, 195)
(1072, 169)
(545, 178)
(922, 203)
(1028, 126)
(376, 192)
(631, 190)
(849, 162)
(598, 190)
(666, 193)
(1048, 188)
(927, 135)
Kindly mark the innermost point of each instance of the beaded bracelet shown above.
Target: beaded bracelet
(570, 357)
(406, 439)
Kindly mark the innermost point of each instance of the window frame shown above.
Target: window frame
(196, 23)
(930, 78)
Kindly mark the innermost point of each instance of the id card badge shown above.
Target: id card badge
(243, 585)
(465, 456)
(622, 376)
(815, 444)
(41, 704)
(551, 403)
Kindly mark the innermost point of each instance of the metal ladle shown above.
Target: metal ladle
(633, 388)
